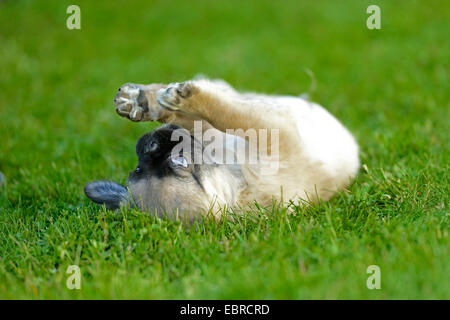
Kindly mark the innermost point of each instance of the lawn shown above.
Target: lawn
(59, 130)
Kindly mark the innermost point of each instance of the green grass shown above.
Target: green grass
(59, 130)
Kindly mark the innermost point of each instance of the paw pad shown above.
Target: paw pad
(130, 102)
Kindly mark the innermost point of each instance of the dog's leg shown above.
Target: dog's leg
(221, 108)
(225, 109)
(138, 102)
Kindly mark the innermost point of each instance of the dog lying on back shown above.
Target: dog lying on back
(201, 162)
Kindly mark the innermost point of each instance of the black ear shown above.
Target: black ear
(109, 193)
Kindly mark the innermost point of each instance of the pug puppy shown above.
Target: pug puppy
(303, 153)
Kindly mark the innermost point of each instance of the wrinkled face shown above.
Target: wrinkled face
(164, 181)
(167, 181)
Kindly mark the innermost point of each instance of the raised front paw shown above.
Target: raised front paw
(175, 96)
(137, 102)
(131, 102)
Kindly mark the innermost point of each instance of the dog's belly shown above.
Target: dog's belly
(322, 137)
(322, 156)
(325, 157)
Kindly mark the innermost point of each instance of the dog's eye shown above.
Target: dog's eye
(138, 170)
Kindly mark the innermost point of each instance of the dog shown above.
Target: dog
(303, 154)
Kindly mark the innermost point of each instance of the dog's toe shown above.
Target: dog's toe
(174, 96)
